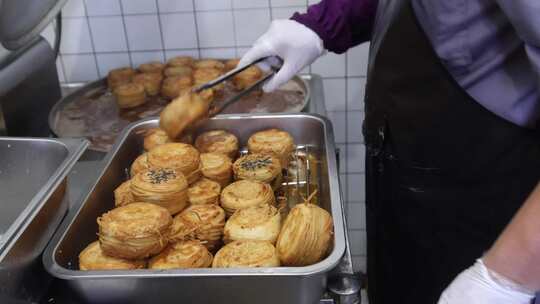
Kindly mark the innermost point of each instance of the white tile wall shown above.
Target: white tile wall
(102, 34)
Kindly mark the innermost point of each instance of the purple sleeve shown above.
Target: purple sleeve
(341, 24)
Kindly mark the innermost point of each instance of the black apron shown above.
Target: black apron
(444, 175)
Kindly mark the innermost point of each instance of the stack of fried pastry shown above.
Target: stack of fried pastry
(237, 221)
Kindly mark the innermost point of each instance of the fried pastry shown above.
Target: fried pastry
(231, 64)
(217, 167)
(273, 141)
(239, 254)
(199, 222)
(155, 137)
(256, 223)
(219, 141)
(204, 191)
(247, 78)
(306, 235)
(123, 195)
(265, 168)
(209, 64)
(129, 95)
(139, 164)
(181, 61)
(182, 112)
(245, 193)
(150, 81)
(164, 187)
(185, 254)
(93, 258)
(178, 71)
(202, 76)
(152, 67)
(182, 157)
(134, 231)
(120, 76)
(173, 87)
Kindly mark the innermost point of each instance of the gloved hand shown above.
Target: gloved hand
(479, 285)
(297, 45)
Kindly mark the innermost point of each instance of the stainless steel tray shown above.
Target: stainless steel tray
(33, 202)
(260, 285)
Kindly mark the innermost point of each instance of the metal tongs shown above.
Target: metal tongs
(216, 109)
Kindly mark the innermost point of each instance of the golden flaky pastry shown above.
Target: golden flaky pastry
(93, 258)
(247, 78)
(204, 191)
(164, 187)
(186, 254)
(175, 86)
(129, 95)
(265, 168)
(123, 195)
(178, 71)
(256, 223)
(152, 67)
(199, 222)
(231, 64)
(150, 81)
(134, 231)
(202, 76)
(209, 64)
(274, 141)
(306, 235)
(239, 254)
(155, 137)
(219, 141)
(245, 193)
(181, 61)
(120, 76)
(182, 112)
(139, 164)
(217, 167)
(179, 156)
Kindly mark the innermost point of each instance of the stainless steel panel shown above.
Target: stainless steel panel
(33, 202)
(261, 285)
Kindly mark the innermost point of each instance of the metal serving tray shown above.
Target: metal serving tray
(256, 285)
(33, 202)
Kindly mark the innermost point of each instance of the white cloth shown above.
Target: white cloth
(479, 285)
(297, 45)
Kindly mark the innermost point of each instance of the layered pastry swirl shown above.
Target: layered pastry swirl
(184, 254)
(134, 231)
(246, 254)
(164, 187)
(257, 223)
(139, 164)
(123, 195)
(204, 191)
(272, 141)
(129, 95)
(155, 137)
(93, 258)
(219, 141)
(173, 71)
(245, 193)
(150, 81)
(179, 156)
(183, 111)
(265, 168)
(306, 235)
(199, 222)
(217, 167)
(152, 67)
(181, 61)
(209, 64)
(175, 86)
(120, 76)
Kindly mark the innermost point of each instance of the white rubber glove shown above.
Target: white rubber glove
(297, 45)
(479, 285)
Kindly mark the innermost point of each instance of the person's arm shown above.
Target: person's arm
(341, 24)
(335, 25)
(516, 254)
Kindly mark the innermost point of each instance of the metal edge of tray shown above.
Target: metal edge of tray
(75, 148)
(83, 88)
(326, 265)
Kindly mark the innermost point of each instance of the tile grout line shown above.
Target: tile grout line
(271, 10)
(91, 39)
(125, 32)
(160, 25)
(196, 29)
